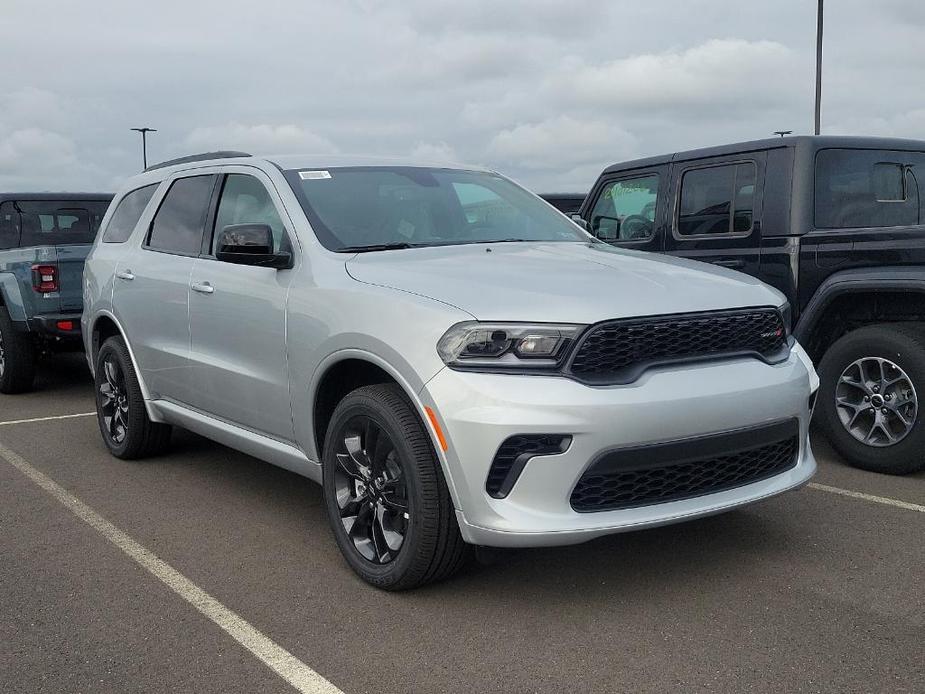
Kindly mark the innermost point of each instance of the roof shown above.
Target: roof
(811, 142)
(64, 197)
(302, 161)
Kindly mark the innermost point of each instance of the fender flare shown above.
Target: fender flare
(856, 281)
(91, 359)
(352, 353)
(12, 297)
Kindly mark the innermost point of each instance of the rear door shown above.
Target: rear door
(715, 211)
(627, 209)
(150, 292)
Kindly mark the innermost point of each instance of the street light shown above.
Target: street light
(783, 132)
(144, 143)
(818, 67)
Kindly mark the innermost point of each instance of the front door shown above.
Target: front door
(716, 211)
(627, 209)
(238, 319)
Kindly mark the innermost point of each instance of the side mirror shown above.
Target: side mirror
(250, 244)
(580, 222)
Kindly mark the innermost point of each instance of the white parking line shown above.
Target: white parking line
(275, 657)
(46, 419)
(867, 497)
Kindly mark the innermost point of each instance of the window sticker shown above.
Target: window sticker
(314, 175)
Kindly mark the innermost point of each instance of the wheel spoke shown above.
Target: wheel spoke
(370, 489)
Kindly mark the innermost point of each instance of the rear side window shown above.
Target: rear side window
(127, 214)
(9, 226)
(865, 188)
(625, 210)
(60, 223)
(717, 200)
(180, 221)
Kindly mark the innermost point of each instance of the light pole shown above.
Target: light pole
(818, 67)
(144, 142)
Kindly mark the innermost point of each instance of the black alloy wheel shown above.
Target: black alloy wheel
(370, 489)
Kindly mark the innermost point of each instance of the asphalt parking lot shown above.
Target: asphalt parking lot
(811, 591)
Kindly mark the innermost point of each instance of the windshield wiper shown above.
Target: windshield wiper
(397, 246)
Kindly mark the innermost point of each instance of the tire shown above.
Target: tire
(120, 407)
(17, 357)
(406, 466)
(903, 346)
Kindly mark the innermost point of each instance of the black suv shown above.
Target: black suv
(836, 224)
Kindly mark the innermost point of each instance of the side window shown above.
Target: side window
(9, 226)
(717, 200)
(245, 200)
(865, 188)
(127, 214)
(625, 210)
(180, 220)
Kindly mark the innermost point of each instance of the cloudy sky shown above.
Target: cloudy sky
(546, 91)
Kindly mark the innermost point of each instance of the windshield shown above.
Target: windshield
(368, 208)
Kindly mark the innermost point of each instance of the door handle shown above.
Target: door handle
(730, 263)
(202, 287)
(125, 275)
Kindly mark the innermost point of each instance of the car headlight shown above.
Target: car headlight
(505, 346)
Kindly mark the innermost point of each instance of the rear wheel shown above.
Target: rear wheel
(17, 357)
(386, 499)
(120, 406)
(869, 400)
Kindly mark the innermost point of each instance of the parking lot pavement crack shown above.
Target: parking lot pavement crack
(299, 675)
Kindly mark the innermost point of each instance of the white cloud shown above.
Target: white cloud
(561, 142)
(720, 72)
(434, 152)
(259, 139)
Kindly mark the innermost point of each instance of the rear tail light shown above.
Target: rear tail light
(45, 278)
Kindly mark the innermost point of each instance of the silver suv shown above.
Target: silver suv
(455, 361)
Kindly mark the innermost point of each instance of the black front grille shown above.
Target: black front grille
(619, 351)
(682, 470)
(513, 455)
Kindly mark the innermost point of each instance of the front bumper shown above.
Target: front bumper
(479, 411)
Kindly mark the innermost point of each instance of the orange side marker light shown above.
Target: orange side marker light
(436, 425)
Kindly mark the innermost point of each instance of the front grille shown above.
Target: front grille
(513, 455)
(686, 469)
(619, 351)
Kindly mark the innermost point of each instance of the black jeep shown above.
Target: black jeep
(836, 224)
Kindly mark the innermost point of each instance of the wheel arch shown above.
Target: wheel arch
(103, 326)
(853, 298)
(332, 379)
(11, 297)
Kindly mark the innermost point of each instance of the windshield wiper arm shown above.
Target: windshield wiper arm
(398, 245)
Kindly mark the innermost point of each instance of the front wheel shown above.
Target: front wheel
(120, 406)
(872, 380)
(385, 496)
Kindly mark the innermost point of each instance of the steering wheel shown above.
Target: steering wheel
(635, 227)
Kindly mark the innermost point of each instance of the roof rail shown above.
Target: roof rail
(204, 156)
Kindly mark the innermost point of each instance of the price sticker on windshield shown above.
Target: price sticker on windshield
(314, 175)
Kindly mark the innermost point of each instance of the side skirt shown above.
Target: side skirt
(263, 447)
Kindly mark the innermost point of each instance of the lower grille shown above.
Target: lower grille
(686, 469)
(513, 455)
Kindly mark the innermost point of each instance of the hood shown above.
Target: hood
(559, 282)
